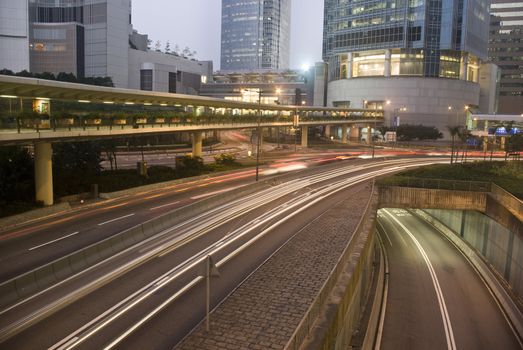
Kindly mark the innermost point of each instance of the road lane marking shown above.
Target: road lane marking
(449, 334)
(385, 232)
(120, 218)
(165, 205)
(211, 193)
(53, 241)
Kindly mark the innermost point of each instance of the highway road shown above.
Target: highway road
(155, 283)
(435, 299)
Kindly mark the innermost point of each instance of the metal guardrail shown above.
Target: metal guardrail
(80, 122)
(318, 305)
(439, 184)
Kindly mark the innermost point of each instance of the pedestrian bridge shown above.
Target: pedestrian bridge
(42, 110)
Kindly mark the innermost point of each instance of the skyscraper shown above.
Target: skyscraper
(506, 51)
(255, 34)
(14, 35)
(421, 54)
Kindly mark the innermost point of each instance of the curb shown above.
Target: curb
(14, 220)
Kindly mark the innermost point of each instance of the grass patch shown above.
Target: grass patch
(505, 174)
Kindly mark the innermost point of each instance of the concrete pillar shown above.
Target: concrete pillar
(369, 135)
(387, 63)
(304, 136)
(344, 128)
(328, 131)
(354, 134)
(485, 144)
(44, 172)
(463, 67)
(350, 65)
(502, 143)
(197, 138)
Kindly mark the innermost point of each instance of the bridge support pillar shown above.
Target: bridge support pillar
(354, 134)
(197, 138)
(369, 135)
(344, 128)
(304, 136)
(327, 131)
(44, 172)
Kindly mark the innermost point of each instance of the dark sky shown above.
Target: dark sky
(196, 24)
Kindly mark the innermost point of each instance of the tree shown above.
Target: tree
(407, 132)
(109, 147)
(454, 131)
(514, 144)
(6, 72)
(158, 46)
(167, 47)
(16, 175)
(77, 158)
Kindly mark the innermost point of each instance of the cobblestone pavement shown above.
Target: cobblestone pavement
(266, 309)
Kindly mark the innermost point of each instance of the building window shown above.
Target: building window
(146, 79)
(172, 82)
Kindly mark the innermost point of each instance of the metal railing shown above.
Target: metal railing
(85, 122)
(318, 305)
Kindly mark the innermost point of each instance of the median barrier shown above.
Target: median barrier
(45, 276)
(26, 285)
(62, 269)
(8, 293)
(76, 261)
(91, 254)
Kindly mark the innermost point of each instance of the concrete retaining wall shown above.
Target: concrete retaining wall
(501, 248)
(407, 197)
(512, 306)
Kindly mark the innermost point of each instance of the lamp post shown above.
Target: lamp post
(259, 134)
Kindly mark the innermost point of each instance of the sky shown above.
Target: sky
(197, 24)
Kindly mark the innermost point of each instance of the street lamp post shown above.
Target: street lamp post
(258, 132)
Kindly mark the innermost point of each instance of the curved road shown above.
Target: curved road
(436, 299)
(131, 287)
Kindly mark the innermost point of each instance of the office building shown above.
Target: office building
(506, 51)
(422, 56)
(91, 38)
(14, 35)
(255, 35)
(278, 87)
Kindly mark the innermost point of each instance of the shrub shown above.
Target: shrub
(225, 159)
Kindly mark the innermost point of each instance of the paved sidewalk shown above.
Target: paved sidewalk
(264, 311)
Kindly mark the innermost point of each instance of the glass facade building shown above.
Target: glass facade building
(57, 37)
(255, 34)
(426, 38)
(506, 51)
